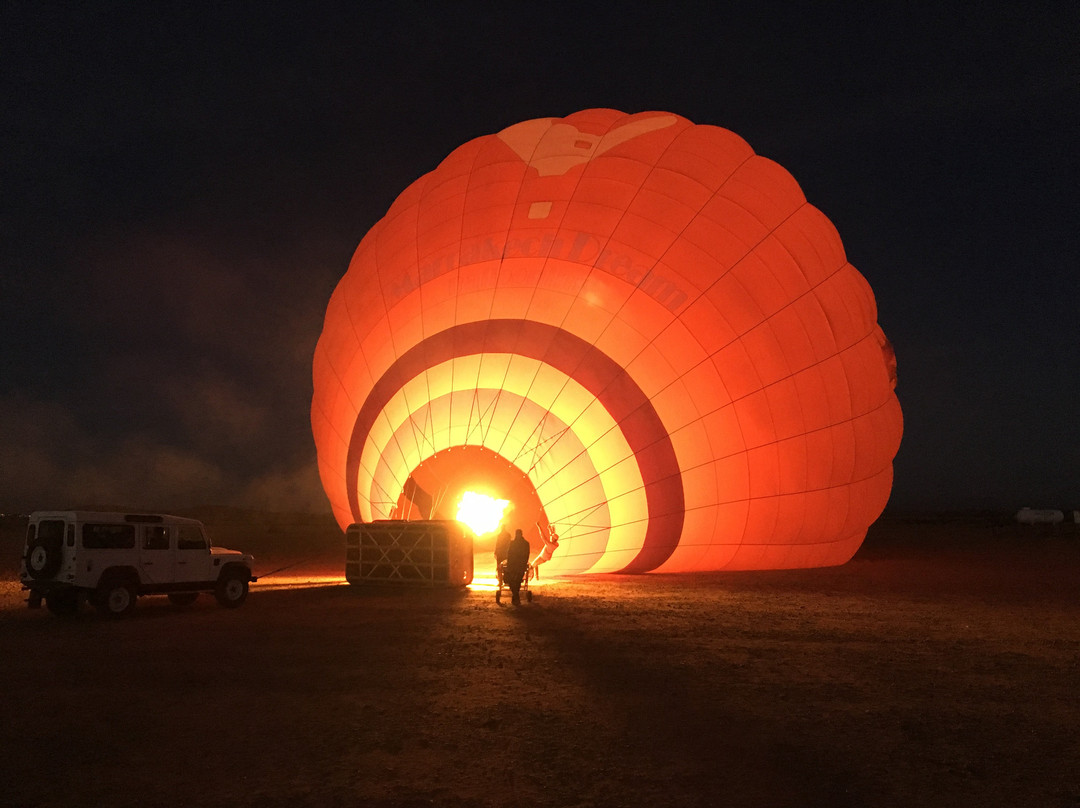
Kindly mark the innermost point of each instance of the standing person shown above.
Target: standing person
(517, 564)
(502, 544)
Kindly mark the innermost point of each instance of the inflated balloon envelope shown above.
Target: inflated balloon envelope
(636, 328)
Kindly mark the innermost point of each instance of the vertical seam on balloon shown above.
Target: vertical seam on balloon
(803, 330)
(498, 399)
(615, 315)
(518, 196)
(506, 235)
(587, 167)
(813, 296)
(501, 259)
(747, 253)
(532, 442)
(664, 252)
(420, 207)
(513, 209)
(483, 144)
(360, 344)
(375, 255)
(581, 176)
(577, 184)
(420, 296)
(485, 415)
(652, 168)
(356, 336)
(317, 401)
(585, 170)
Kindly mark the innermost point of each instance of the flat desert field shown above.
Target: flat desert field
(940, 667)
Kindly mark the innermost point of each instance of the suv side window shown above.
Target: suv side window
(155, 537)
(108, 537)
(191, 538)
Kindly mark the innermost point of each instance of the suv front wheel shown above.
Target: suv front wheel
(232, 588)
(115, 598)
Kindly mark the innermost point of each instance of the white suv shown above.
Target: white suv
(112, 558)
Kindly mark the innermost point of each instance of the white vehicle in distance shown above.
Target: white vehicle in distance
(110, 559)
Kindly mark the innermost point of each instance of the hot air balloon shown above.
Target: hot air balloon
(633, 328)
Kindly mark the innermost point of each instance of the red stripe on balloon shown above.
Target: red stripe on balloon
(588, 366)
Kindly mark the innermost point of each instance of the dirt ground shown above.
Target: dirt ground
(939, 668)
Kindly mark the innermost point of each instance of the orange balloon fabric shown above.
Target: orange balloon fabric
(634, 322)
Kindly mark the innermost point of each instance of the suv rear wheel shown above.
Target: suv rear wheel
(115, 598)
(232, 588)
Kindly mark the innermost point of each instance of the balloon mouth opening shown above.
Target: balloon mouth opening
(437, 486)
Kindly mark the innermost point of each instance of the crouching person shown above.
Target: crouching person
(551, 544)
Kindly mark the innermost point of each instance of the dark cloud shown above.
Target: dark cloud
(49, 460)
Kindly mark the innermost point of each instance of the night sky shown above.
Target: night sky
(182, 186)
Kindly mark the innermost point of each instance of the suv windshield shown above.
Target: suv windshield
(191, 538)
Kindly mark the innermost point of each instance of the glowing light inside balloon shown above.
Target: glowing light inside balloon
(481, 512)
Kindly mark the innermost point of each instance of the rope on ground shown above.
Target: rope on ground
(287, 566)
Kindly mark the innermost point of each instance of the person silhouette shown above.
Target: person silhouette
(502, 543)
(517, 564)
